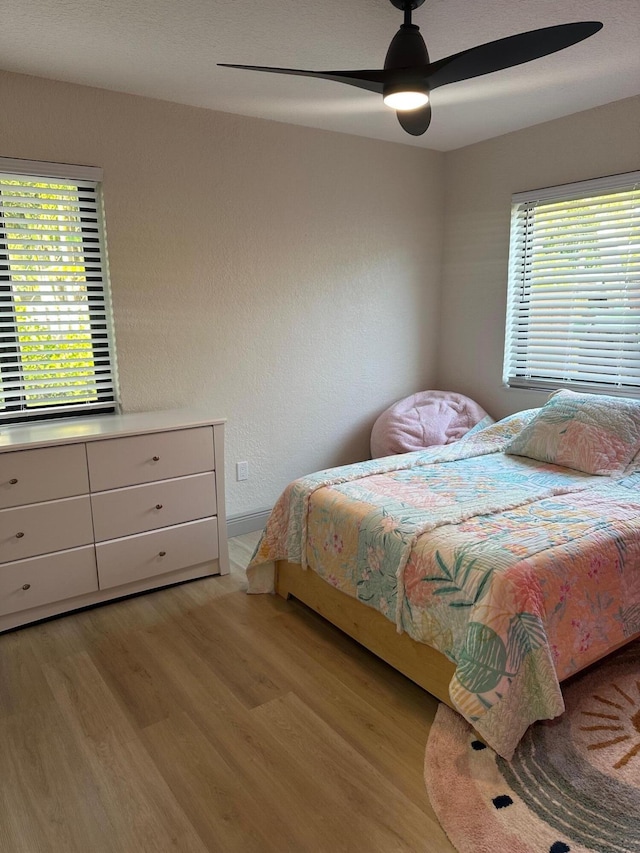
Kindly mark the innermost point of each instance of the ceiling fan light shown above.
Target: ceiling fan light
(406, 100)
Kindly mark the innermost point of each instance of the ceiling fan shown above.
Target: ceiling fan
(409, 77)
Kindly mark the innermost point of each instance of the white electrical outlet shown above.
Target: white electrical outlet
(242, 470)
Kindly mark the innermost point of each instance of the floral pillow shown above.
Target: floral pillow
(634, 466)
(587, 432)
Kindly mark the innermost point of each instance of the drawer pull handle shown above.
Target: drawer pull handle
(19, 534)
(13, 481)
(158, 506)
(156, 458)
(162, 554)
(26, 586)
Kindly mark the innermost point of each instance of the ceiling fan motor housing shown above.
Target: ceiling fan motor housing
(408, 56)
(403, 5)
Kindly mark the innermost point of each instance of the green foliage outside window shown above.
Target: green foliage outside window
(49, 297)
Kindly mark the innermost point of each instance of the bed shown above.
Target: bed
(485, 575)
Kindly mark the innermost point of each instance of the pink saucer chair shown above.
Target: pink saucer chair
(425, 419)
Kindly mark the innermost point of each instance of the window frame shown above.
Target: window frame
(521, 253)
(93, 234)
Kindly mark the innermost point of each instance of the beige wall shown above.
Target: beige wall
(480, 181)
(285, 278)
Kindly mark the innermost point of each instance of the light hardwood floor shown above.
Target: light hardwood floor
(198, 718)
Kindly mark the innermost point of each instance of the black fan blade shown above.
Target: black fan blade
(415, 122)
(507, 52)
(373, 81)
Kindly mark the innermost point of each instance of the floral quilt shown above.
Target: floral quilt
(520, 572)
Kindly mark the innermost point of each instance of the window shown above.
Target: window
(573, 311)
(56, 342)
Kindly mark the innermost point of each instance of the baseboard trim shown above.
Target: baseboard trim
(247, 523)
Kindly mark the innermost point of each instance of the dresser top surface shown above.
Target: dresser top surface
(73, 430)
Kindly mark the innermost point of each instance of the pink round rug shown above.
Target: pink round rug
(573, 785)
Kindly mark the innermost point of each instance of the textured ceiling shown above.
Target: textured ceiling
(169, 49)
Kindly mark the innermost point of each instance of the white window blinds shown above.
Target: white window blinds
(56, 351)
(573, 312)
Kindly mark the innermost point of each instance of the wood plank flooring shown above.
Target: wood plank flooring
(198, 718)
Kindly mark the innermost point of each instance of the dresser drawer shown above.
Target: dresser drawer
(43, 527)
(47, 579)
(122, 512)
(133, 558)
(144, 458)
(29, 476)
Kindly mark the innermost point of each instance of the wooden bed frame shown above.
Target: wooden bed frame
(429, 668)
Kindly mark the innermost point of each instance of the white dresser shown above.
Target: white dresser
(92, 509)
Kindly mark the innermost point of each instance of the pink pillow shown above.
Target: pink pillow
(593, 433)
(422, 420)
